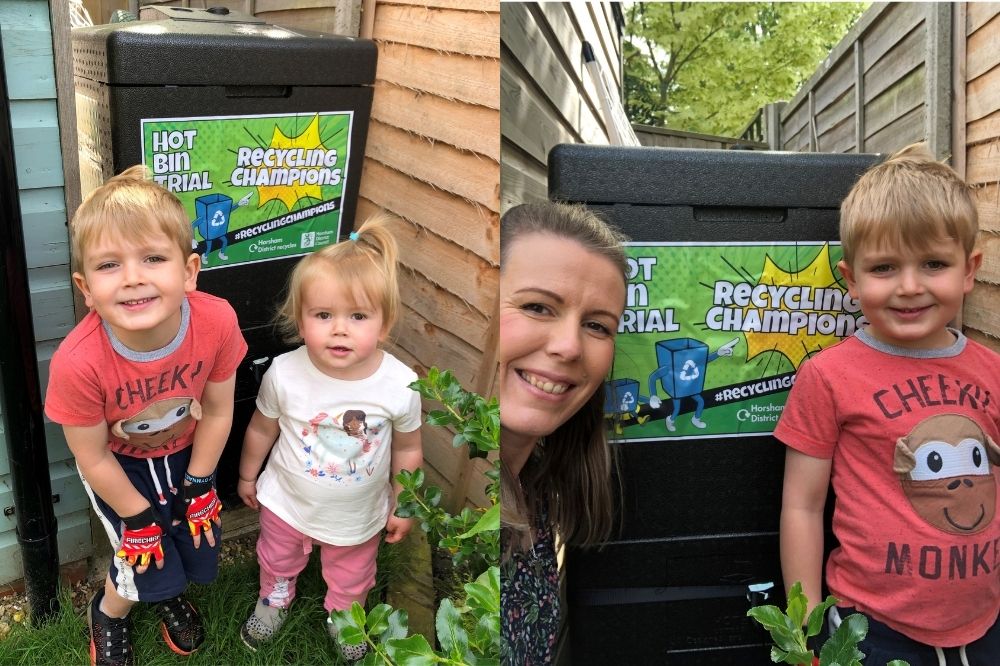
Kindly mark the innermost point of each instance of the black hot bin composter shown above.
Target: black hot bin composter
(696, 538)
(258, 129)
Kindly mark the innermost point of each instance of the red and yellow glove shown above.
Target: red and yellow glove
(201, 506)
(141, 539)
(202, 510)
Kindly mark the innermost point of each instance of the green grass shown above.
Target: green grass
(224, 606)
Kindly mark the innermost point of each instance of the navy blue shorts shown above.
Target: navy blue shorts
(182, 562)
(883, 644)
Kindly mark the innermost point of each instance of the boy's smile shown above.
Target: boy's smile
(910, 296)
(138, 288)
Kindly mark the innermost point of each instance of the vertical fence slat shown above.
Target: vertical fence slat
(959, 68)
(937, 80)
(859, 98)
(811, 123)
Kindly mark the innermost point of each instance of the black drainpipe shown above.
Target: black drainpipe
(21, 392)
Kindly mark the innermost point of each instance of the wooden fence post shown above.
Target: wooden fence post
(958, 69)
(938, 55)
(859, 97)
(772, 124)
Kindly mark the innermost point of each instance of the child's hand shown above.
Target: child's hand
(397, 528)
(247, 491)
(200, 508)
(141, 540)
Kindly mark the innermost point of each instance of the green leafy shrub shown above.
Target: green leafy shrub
(791, 629)
(467, 628)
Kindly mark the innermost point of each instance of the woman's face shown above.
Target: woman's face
(559, 311)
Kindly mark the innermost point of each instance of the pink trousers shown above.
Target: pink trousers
(283, 552)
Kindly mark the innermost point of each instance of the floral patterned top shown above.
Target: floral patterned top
(529, 601)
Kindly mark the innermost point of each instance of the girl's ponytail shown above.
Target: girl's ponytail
(375, 240)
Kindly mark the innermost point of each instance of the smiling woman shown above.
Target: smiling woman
(562, 292)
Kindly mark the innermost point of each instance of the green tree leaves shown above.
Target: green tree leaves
(707, 66)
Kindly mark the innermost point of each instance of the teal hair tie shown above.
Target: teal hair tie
(353, 235)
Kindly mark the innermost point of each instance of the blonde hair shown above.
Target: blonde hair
(909, 201)
(570, 471)
(366, 264)
(129, 207)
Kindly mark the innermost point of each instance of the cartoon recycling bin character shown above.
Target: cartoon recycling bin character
(213, 212)
(681, 372)
(621, 402)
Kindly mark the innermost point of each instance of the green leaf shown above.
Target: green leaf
(784, 632)
(343, 619)
(768, 617)
(411, 651)
(489, 521)
(708, 67)
(378, 620)
(358, 614)
(797, 608)
(818, 614)
(438, 417)
(479, 596)
(433, 496)
(351, 635)
(842, 647)
(398, 626)
(450, 633)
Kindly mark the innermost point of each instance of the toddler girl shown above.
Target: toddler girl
(342, 421)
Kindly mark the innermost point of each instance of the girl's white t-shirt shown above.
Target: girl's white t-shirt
(329, 472)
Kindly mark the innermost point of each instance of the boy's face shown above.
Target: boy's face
(908, 296)
(138, 289)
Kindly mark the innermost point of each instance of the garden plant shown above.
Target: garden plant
(790, 631)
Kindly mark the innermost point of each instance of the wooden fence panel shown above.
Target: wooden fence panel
(876, 84)
(979, 76)
(433, 159)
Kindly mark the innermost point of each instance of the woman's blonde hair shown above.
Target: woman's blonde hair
(570, 470)
(909, 201)
(365, 263)
(129, 207)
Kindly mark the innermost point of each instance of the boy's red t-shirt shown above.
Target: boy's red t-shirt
(146, 398)
(920, 549)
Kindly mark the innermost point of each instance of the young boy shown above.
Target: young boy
(902, 419)
(143, 387)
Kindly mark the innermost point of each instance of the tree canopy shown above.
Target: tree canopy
(708, 66)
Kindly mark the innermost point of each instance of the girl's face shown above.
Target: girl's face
(559, 309)
(340, 334)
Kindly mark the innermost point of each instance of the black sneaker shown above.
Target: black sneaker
(110, 637)
(180, 624)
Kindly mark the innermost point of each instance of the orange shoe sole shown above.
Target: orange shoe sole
(170, 643)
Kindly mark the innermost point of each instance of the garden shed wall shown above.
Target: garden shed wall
(26, 30)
